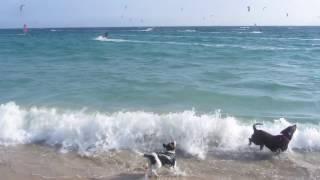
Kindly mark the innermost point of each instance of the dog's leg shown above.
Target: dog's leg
(277, 153)
(154, 172)
(146, 173)
(149, 171)
(250, 141)
(173, 168)
(261, 147)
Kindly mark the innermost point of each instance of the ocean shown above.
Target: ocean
(72, 92)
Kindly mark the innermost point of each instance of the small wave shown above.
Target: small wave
(143, 30)
(242, 29)
(305, 39)
(101, 38)
(256, 32)
(188, 30)
(87, 132)
(146, 30)
(271, 48)
(250, 32)
(213, 32)
(53, 30)
(290, 38)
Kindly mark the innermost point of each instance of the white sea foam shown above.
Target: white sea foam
(188, 30)
(101, 38)
(213, 32)
(90, 132)
(147, 30)
(250, 32)
(288, 38)
(143, 30)
(256, 32)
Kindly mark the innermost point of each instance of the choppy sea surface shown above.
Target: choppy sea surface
(201, 86)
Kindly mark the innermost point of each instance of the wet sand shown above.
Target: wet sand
(33, 162)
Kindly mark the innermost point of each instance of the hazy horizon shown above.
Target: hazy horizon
(145, 13)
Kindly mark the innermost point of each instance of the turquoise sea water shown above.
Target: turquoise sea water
(74, 88)
(264, 73)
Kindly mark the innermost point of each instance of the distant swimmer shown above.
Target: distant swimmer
(106, 35)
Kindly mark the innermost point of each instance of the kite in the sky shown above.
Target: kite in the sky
(21, 7)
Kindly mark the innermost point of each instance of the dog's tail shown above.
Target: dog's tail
(254, 126)
(153, 158)
(138, 153)
(148, 156)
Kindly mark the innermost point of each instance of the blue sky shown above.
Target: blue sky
(93, 13)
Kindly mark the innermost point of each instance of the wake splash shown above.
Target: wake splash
(89, 133)
(143, 30)
(188, 30)
(270, 48)
(101, 38)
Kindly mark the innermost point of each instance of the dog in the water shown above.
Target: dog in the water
(165, 158)
(278, 143)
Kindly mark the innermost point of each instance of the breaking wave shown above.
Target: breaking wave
(86, 132)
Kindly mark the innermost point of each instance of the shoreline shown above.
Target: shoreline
(33, 161)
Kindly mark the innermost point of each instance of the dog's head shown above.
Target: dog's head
(171, 146)
(289, 131)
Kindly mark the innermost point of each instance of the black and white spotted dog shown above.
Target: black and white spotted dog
(166, 158)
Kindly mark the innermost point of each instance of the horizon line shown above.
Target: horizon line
(88, 27)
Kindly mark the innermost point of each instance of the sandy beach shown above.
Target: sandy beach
(33, 162)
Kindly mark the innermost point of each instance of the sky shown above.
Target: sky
(118, 13)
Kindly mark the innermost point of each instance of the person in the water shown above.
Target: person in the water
(105, 35)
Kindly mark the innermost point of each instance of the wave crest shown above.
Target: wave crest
(91, 132)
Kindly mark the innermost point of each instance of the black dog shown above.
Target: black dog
(158, 159)
(276, 143)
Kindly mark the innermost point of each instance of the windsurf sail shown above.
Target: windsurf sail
(25, 29)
